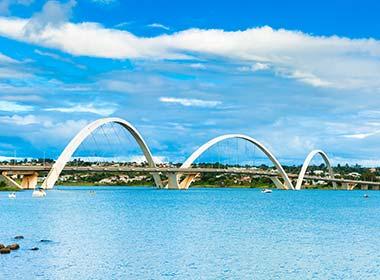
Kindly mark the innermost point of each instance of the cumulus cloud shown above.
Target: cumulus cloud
(57, 131)
(10, 106)
(190, 102)
(293, 54)
(102, 110)
(53, 14)
(19, 120)
(258, 66)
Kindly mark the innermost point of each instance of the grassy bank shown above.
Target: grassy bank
(148, 184)
(5, 188)
(195, 185)
(88, 184)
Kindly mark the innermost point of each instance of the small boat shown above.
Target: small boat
(266, 191)
(39, 193)
(12, 195)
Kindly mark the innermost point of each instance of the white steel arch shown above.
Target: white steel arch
(67, 153)
(306, 164)
(188, 180)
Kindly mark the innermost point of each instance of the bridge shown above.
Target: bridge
(177, 177)
(31, 170)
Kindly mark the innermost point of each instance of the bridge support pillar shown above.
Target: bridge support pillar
(349, 186)
(172, 181)
(352, 186)
(29, 181)
(375, 187)
(364, 187)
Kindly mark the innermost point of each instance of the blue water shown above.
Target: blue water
(143, 233)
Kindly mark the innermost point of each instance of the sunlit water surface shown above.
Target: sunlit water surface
(144, 233)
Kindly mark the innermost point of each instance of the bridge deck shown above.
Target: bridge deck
(25, 169)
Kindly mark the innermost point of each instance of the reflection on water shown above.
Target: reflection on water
(142, 233)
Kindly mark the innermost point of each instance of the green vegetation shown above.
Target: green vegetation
(5, 188)
(218, 179)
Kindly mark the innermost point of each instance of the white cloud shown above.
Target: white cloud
(102, 110)
(122, 24)
(6, 59)
(9, 73)
(308, 78)
(190, 102)
(77, 88)
(158, 25)
(48, 54)
(197, 66)
(20, 120)
(4, 158)
(353, 161)
(9, 106)
(119, 82)
(58, 57)
(104, 2)
(53, 14)
(6, 4)
(292, 54)
(258, 66)
(361, 135)
(58, 132)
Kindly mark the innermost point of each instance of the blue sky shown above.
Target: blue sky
(297, 76)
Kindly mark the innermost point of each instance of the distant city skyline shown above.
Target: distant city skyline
(297, 76)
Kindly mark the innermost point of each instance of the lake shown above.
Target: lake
(144, 233)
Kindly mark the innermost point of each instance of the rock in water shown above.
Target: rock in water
(45, 241)
(14, 246)
(19, 237)
(5, 250)
(2, 246)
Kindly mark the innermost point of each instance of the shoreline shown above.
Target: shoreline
(89, 185)
(192, 186)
